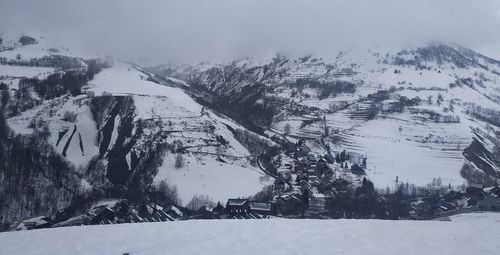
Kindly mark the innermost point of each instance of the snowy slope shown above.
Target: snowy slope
(189, 123)
(417, 143)
(207, 176)
(154, 102)
(128, 127)
(410, 144)
(465, 234)
(76, 140)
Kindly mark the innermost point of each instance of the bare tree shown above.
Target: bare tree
(198, 201)
(288, 129)
(166, 194)
(179, 161)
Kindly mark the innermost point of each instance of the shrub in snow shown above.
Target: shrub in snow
(179, 161)
(69, 116)
(199, 201)
(164, 194)
(288, 128)
(265, 195)
(26, 40)
(90, 94)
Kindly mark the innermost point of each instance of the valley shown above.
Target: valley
(422, 117)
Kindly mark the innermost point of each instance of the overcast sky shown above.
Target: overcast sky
(193, 30)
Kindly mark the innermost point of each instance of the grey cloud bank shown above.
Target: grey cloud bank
(156, 31)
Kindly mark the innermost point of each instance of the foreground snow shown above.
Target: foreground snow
(466, 234)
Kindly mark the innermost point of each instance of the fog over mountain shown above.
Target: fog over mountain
(159, 31)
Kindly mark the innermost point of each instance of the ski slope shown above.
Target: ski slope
(466, 234)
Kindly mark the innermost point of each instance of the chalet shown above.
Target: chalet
(450, 205)
(74, 221)
(329, 173)
(301, 143)
(321, 166)
(301, 178)
(329, 194)
(341, 185)
(311, 157)
(329, 158)
(103, 214)
(412, 214)
(391, 105)
(279, 184)
(289, 204)
(494, 191)
(317, 204)
(33, 223)
(173, 211)
(204, 213)
(462, 202)
(314, 180)
(219, 209)
(260, 208)
(300, 167)
(311, 172)
(63, 215)
(357, 170)
(302, 151)
(324, 170)
(237, 206)
(306, 188)
(325, 185)
(472, 201)
(160, 215)
(490, 203)
(475, 189)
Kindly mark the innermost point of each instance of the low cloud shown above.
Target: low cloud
(194, 30)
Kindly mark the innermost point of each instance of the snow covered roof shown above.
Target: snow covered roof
(174, 209)
(260, 206)
(287, 197)
(475, 185)
(37, 220)
(236, 202)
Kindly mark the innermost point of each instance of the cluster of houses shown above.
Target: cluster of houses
(303, 187)
(304, 184)
(474, 198)
(486, 198)
(307, 184)
(107, 212)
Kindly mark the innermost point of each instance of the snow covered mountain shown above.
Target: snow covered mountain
(79, 129)
(107, 128)
(417, 114)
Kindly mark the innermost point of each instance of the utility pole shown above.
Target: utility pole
(396, 184)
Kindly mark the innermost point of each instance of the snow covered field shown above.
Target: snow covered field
(466, 234)
(23, 71)
(206, 176)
